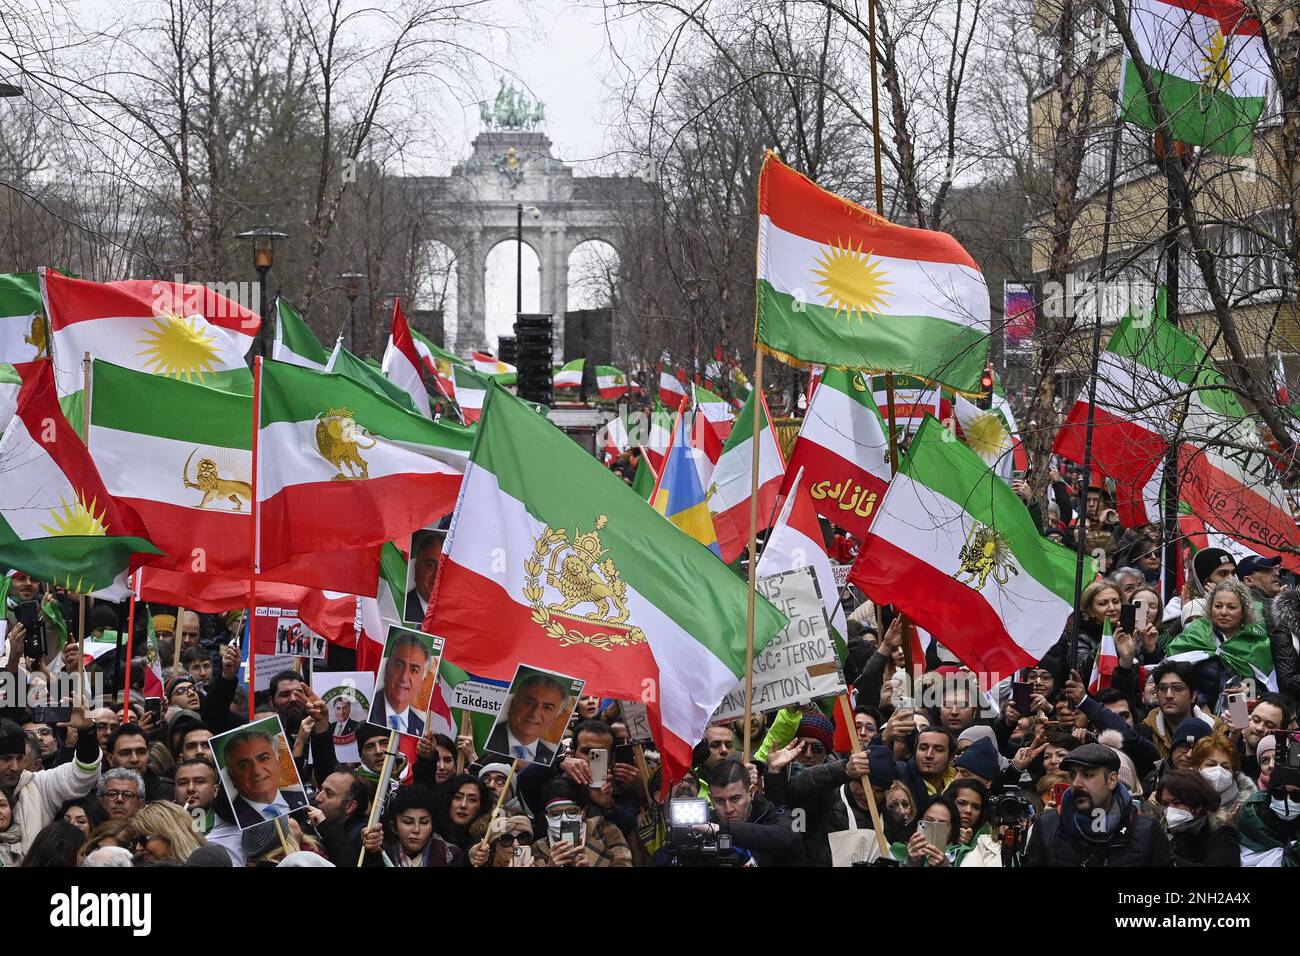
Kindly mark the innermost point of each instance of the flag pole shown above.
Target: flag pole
(385, 774)
(856, 745)
(501, 799)
(130, 639)
(753, 545)
(81, 598)
(1081, 543)
(176, 640)
(253, 551)
(465, 727)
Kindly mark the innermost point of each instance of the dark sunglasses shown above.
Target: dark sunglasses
(509, 839)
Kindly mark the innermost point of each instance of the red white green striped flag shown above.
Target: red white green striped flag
(403, 364)
(843, 448)
(58, 522)
(10, 384)
(954, 549)
(23, 333)
(672, 390)
(728, 495)
(486, 364)
(569, 375)
(1210, 67)
(341, 467)
(471, 389)
(552, 560)
(840, 286)
(164, 328)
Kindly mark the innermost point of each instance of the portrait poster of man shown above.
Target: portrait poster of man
(405, 679)
(535, 716)
(348, 696)
(421, 571)
(258, 773)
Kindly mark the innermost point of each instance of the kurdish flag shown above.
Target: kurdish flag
(23, 335)
(340, 467)
(729, 492)
(486, 364)
(954, 549)
(58, 522)
(680, 493)
(991, 432)
(470, 390)
(913, 400)
(1146, 363)
(555, 562)
(295, 342)
(402, 363)
(840, 286)
(1210, 69)
(612, 382)
(164, 328)
(569, 375)
(843, 449)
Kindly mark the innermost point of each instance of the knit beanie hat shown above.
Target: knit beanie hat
(819, 727)
(1192, 727)
(981, 759)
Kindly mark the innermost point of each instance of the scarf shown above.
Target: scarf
(961, 849)
(1078, 824)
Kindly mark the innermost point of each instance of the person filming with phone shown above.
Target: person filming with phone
(1096, 823)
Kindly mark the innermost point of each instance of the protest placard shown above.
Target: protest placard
(637, 720)
(538, 706)
(347, 695)
(800, 663)
(405, 680)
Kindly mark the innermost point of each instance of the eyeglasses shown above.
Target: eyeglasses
(1171, 688)
(142, 840)
(120, 795)
(815, 747)
(105, 725)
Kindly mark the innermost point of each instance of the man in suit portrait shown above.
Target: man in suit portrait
(533, 708)
(403, 675)
(341, 710)
(252, 761)
(426, 550)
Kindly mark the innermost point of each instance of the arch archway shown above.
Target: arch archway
(499, 278)
(438, 289)
(594, 268)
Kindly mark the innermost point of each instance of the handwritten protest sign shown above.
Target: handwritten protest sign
(637, 720)
(800, 663)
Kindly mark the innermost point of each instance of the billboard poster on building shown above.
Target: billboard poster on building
(1020, 319)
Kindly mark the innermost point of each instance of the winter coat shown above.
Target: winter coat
(1161, 733)
(817, 792)
(1139, 841)
(1284, 637)
(38, 796)
(768, 835)
(1209, 841)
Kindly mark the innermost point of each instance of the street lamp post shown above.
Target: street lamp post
(534, 213)
(352, 289)
(263, 239)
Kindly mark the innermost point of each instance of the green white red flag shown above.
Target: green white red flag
(729, 493)
(341, 467)
(58, 522)
(954, 549)
(470, 390)
(295, 342)
(23, 334)
(11, 384)
(612, 383)
(843, 448)
(569, 375)
(553, 561)
(840, 286)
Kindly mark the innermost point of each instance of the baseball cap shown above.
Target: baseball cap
(1255, 563)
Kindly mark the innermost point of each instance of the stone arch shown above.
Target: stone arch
(593, 274)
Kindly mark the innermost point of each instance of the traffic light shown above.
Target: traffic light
(986, 387)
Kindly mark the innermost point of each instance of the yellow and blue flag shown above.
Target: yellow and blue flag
(680, 495)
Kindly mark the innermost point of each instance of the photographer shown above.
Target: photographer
(1268, 825)
(754, 823)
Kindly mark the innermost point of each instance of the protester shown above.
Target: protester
(36, 795)
(1200, 833)
(1216, 758)
(565, 809)
(1269, 821)
(162, 831)
(59, 844)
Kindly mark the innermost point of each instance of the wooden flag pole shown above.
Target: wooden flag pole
(81, 598)
(879, 827)
(284, 840)
(130, 640)
(176, 640)
(385, 774)
(908, 664)
(501, 798)
(753, 545)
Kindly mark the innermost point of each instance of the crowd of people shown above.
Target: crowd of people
(1168, 759)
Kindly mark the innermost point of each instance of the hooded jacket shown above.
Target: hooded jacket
(38, 796)
(1284, 637)
(1209, 841)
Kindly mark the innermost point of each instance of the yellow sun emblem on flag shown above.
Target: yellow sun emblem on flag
(985, 435)
(179, 347)
(851, 281)
(77, 519)
(1215, 72)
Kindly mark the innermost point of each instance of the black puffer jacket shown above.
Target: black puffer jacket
(769, 835)
(1284, 635)
(1140, 841)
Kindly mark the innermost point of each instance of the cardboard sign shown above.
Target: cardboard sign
(479, 696)
(637, 720)
(536, 714)
(268, 665)
(800, 664)
(348, 695)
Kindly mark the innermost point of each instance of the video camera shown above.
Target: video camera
(1012, 812)
(691, 847)
(1286, 764)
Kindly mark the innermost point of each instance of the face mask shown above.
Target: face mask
(1220, 777)
(554, 823)
(1284, 808)
(1176, 818)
